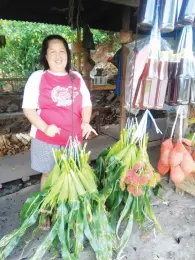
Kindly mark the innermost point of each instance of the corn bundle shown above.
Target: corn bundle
(70, 197)
(127, 178)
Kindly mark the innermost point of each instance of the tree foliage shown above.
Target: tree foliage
(23, 41)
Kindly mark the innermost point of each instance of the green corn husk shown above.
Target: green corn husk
(121, 155)
(78, 185)
(116, 148)
(54, 192)
(73, 195)
(65, 189)
(89, 185)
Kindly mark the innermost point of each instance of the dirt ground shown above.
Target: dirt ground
(175, 213)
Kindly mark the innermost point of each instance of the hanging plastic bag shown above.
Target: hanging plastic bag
(187, 12)
(137, 62)
(181, 71)
(143, 83)
(172, 90)
(167, 15)
(185, 73)
(151, 87)
(137, 57)
(147, 83)
(146, 14)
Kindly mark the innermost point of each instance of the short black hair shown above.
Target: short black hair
(45, 44)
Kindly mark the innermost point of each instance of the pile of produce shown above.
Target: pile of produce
(178, 158)
(82, 203)
(177, 155)
(71, 199)
(127, 179)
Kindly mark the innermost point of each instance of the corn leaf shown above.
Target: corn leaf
(79, 234)
(150, 212)
(66, 255)
(47, 242)
(124, 213)
(13, 240)
(125, 237)
(31, 204)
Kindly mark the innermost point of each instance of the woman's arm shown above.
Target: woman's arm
(39, 123)
(86, 114)
(86, 127)
(35, 119)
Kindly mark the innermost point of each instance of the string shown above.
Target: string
(72, 82)
(173, 128)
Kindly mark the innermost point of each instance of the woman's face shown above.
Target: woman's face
(56, 56)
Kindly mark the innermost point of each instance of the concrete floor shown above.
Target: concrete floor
(175, 213)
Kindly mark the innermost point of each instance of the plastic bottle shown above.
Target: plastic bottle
(150, 82)
(179, 5)
(187, 12)
(183, 78)
(171, 93)
(168, 15)
(192, 93)
(162, 80)
(146, 14)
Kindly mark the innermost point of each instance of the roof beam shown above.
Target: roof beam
(134, 3)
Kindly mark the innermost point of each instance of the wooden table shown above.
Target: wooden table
(102, 87)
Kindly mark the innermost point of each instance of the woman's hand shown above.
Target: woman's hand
(52, 130)
(87, 129)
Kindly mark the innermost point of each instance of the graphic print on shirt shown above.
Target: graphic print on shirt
(63, 96)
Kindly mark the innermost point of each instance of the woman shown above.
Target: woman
(57, 103)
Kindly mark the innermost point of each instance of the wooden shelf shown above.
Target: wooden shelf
(103, 87)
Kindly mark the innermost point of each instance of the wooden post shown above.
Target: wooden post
(125, 28)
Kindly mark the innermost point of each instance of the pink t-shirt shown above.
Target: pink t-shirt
(53, 101)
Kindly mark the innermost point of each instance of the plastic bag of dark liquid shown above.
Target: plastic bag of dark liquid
(180, 71)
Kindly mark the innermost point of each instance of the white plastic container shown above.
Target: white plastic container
(100, 80)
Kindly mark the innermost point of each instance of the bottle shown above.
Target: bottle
(183, 79)
(171, 92)
(150, 81)
(137, 101)
(146, 14)
(162, 80)
(187, 12)
(192, 93)
(167, 15)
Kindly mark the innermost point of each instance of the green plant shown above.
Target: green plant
(23, 41)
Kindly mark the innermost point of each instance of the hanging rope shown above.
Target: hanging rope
(72, 77)
(71, 13)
